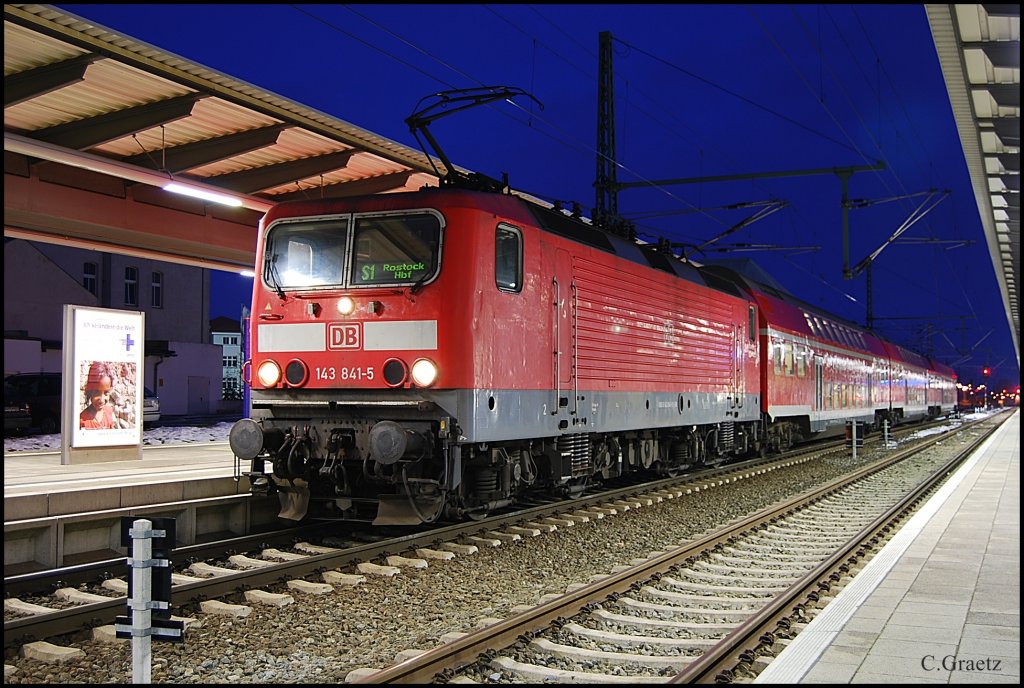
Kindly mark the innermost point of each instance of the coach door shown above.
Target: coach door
(817, 384)
(736, 401)
(564, 336)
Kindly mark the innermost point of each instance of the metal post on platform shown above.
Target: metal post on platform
(142, 596)
(885, 432)
(851, 436)
(150, 543)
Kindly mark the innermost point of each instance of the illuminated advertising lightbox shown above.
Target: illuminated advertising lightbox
(106, 369)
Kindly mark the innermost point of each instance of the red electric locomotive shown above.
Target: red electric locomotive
(445, 351)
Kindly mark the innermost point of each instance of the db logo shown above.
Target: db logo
(342, 336)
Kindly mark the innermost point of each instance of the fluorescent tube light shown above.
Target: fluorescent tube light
(201, 193)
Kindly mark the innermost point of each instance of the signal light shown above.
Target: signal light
(986, 371)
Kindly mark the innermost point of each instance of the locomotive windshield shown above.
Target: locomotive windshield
(395, 249)
(369, 250)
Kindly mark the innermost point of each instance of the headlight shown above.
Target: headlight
(269, 373)
(424, 372)
(346, 305)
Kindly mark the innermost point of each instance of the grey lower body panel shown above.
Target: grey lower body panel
(499, 415)
(836, 424)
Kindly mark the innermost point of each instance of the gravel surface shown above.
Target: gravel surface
(321, 639)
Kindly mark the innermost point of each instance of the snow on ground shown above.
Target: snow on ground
(966, 417)
(154, 437)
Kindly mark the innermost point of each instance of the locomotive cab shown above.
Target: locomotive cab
(371, 391)
(340, 305)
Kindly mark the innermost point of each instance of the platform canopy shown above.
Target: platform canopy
(979, 50)
(96, 123)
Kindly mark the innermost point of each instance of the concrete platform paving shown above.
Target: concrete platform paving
(941, 602)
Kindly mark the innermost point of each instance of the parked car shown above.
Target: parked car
(41, 391)
(17, 418)
(150, 407)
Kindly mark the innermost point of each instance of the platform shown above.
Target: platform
(36, 484)
(61, 515)
(940, 603)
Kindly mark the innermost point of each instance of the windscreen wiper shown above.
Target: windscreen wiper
(421, 281)
(275, 278)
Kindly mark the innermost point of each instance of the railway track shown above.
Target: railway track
(257, 569)
(59, 602)
(712, 610)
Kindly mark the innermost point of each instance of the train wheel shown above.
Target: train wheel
(577, 487)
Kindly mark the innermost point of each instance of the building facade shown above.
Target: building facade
(227, 334)
(180, 365)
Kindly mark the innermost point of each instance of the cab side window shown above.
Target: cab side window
(508, 259)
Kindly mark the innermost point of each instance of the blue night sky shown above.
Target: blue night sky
(700, 90)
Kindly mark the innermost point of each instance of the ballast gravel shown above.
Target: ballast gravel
(322, 637)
